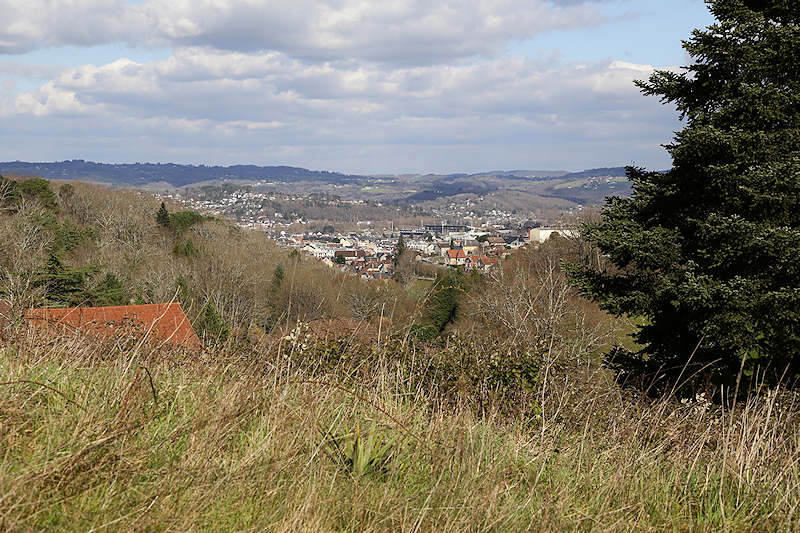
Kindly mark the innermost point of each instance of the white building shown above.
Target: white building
(539, 235)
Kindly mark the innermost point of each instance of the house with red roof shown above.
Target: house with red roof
(163, 323)
(456, 257)
(480, 262)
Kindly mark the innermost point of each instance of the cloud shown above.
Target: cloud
(352, 85)
(403, 32)
(199, 83)
(49, 100)
(202, 105)
(32, 24)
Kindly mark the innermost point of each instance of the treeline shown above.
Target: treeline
(174, 174)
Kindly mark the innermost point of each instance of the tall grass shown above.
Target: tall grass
(108, 436)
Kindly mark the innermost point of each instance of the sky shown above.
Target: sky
(358, 86)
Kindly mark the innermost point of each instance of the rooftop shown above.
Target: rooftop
(163, 322)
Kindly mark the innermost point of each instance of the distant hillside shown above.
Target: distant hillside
(589, 186)
(614, 172)
(584, 187)
(524, 173)
(138, 174)
(443, 189)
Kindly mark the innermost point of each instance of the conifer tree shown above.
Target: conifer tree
(64, 285)
(706, 254)
(110, 291)
(277, 278)
(210, 325)
(162, 217)
(401, 249)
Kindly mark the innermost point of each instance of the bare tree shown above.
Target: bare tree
(25, 242)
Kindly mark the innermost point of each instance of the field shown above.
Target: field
(109, 437)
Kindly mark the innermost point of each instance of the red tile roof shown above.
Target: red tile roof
(165, 322)
(456, 254)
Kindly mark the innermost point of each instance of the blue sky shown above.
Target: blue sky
(348, 85)
(643, 31)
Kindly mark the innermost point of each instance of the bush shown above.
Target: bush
(110, 291)
(210, 325)
(181, 221)
(39, 189)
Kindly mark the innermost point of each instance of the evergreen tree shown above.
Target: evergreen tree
(706, 254)
(277, 278)
(183, 220)
(210, 325)
(401, 249)
(110, 291)
(64, 285)
(183, 292)
(186, 248)
(162, 217)
(39, 189)
(442, 306)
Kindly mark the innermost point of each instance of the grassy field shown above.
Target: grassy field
(103, 437)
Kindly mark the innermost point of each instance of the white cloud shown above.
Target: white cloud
(407, 32)
(32, 24)
(204, 105)
(353, 85)
(49, 99)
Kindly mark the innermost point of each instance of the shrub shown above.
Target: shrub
(210, 325)
(39, 189)
(181, 221)
(110, 291)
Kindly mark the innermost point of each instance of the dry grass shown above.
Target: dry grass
(102, 437)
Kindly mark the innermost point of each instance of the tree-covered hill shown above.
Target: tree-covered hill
(74, 244)
(578, 187)
(138, 174)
